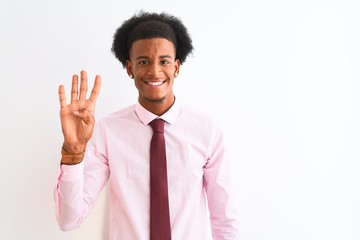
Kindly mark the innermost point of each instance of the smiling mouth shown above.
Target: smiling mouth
(157, 83)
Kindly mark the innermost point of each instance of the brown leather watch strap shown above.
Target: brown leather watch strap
(71, 158)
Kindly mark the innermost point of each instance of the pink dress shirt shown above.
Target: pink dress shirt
(118, 154)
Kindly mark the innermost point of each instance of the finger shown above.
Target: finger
(74, 88)
(62, 97)
(96, 89)
(83, 85)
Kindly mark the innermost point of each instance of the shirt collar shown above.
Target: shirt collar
(169, 116)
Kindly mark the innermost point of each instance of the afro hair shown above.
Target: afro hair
(145, 25)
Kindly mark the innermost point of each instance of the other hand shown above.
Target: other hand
(77, 118)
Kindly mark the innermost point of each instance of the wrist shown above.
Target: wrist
(71, 158)
(73, 148)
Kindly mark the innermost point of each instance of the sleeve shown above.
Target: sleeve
(79, 186)
(217, 184)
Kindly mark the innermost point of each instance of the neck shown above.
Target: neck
(157, 107)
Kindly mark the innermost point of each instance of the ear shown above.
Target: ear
(177, 67)
(128, 69)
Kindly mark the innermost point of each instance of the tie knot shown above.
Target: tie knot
(157, 125)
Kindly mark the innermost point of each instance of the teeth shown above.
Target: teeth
(155, 83)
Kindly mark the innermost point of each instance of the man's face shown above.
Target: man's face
(153, 67)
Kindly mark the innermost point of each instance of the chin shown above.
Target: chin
(156, 100)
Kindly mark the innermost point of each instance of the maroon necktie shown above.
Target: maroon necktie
(159, 203)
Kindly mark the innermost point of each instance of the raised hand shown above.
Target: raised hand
(77, 118)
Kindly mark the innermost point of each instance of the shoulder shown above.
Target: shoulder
(196, 114)
(197, 117)
(118, 118)
(124, 113)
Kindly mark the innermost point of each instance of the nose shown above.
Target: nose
(154, 69)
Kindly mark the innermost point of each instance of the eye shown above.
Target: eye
(164, 62)
(143, 62)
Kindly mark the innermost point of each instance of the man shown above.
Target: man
(116, 150)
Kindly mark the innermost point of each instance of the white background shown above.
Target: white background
(281, 77)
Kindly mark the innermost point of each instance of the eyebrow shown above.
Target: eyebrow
(161, 57)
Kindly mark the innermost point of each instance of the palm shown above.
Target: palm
(77, 118)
